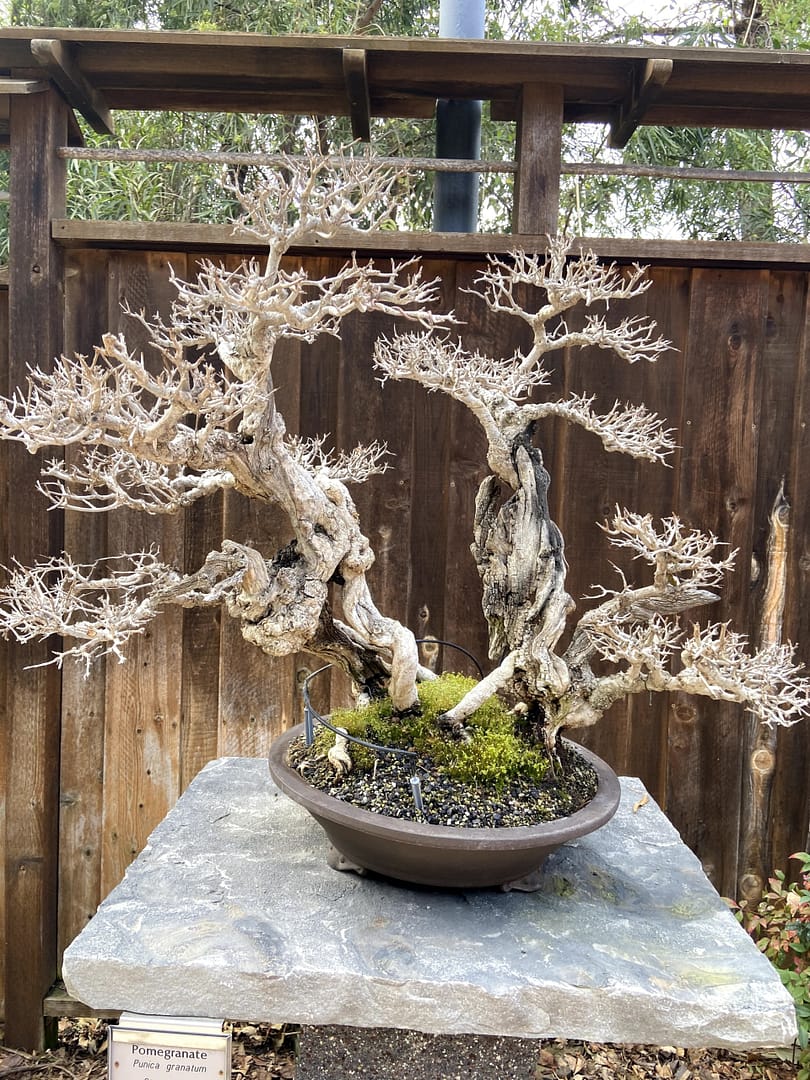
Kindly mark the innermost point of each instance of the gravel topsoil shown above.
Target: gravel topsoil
(387, 790)
(266, 1052)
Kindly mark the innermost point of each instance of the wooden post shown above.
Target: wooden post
(37, 125)
(538, 153)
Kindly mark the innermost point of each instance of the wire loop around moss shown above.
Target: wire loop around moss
(311, 714)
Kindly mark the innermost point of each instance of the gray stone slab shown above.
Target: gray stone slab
(231, 911)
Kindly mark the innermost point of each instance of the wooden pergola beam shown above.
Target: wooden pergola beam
(355, 73)
(59, 61)
(644, 92)
(539, 147)
(22, 86)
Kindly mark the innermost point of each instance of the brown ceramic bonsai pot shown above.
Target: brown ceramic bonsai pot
(441, 855)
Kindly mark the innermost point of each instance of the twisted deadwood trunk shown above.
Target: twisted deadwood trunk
(158, 442)
(519, 553)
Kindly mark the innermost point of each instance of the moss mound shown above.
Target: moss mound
(493, 755)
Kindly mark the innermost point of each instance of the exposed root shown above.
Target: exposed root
(338, 755)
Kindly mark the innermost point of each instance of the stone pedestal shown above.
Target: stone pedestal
(232, 911)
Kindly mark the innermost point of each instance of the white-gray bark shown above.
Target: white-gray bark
(208, 421)
(519, 549)
(158, 442)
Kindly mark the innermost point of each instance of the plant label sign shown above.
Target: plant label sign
(168, 1048)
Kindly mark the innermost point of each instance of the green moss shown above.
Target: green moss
(494, 755)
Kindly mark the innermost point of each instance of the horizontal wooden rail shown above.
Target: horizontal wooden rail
(429, 164)
(59, 1003)
(184, 235)
(216, 157)
(675, 172)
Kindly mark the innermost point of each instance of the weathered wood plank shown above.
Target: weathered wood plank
(254, 73)
(466, 467)
(632, 735)
(39, 124)
(389, 506)
(790, 800)
(648, 84)
(256, 692)
(355, 73)
(202, 629)
(143, 695)
(60, 1003)
(424, 494)
(202, 526)
(717, 483)
(539, 143)
(173, 235)
(4, 656)
(660, 387)
(59, 60)
(782, 349)
(83, 708)
(317, 415)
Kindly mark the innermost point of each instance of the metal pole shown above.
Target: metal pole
(458, 129)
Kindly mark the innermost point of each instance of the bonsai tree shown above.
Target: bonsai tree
(159, 435)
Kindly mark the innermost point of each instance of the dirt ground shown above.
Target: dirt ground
(266, 1052)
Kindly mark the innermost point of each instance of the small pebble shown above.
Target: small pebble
(448, 803)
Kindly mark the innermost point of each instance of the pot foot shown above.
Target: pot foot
(338, 861)
(530, 883)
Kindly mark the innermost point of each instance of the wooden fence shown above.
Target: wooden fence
(736, 388)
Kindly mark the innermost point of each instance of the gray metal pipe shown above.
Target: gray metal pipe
(458, 129)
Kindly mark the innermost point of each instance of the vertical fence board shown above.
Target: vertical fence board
(630, 736)
(318, 408)
(4, 655)
(367, 412)
(37, 126)
(202, 628)
(143, 707)
(257, 691)
(424, 427)
(466, 468)
(790, 801)
(661, 387)
(717, 478)
(783, 331)
(83, 693)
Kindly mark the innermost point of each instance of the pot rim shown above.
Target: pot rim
(592, 816)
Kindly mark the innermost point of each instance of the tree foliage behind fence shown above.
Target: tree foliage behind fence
(737, 390)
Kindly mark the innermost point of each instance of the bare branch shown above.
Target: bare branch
(113, 400)
(440, 364)
(101, 480)
(566, 284)
(626, 429)
(643, 646)
(566, 281)
(242, 313)
(717, 664)
(675, 552)
(318, 195)
(101, 612)
(355, 466)
(632, 339)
